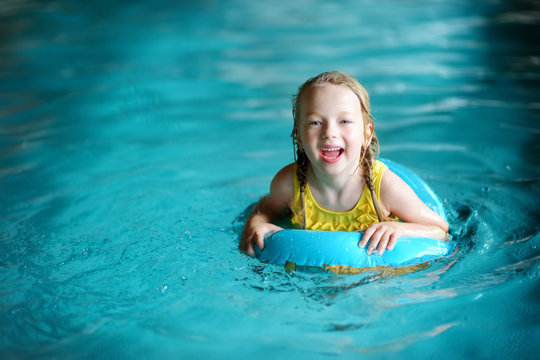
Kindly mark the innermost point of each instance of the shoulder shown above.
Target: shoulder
(284, 179)
(391, 184)
(282, 187)
(397, 196)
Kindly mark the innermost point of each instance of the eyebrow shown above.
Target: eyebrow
(318, 114)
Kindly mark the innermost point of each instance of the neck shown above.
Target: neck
(334, 190)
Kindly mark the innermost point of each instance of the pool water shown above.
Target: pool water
(135, 135)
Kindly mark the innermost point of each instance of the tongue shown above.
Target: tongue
(331, 154)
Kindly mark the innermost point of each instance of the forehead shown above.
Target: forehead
(328, 95)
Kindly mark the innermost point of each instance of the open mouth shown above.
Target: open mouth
(331, 154)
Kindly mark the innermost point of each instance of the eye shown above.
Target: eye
(345, 121)
(314, 123)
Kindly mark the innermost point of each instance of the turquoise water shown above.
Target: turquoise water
(134, 136)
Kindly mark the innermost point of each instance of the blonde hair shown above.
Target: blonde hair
(367, 156)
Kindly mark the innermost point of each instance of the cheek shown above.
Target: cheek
(306, 137)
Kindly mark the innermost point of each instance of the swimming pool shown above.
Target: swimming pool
(134, 136)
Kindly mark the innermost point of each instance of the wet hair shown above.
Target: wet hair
(368, 155)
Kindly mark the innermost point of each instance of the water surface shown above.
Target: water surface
(134, 136)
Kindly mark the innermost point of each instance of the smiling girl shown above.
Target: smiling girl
(335, 182)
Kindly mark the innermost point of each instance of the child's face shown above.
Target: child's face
(331, 129)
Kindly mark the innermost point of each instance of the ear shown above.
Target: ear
(368, 135)
(298, 141)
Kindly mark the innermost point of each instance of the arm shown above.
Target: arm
(418, 220)
(268, 209)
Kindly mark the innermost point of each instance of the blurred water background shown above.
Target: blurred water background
(134, 135)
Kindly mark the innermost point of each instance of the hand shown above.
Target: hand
(254, 233)
(381, 236)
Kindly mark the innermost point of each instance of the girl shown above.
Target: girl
(335, 182)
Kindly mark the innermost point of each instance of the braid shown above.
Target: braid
(301, 173)
(367, 160)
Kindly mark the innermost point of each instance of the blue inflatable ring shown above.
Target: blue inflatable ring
(319, 248)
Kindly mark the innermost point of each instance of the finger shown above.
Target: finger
(367, 235)
(249, 245)
(246, 247)
(250, 250)
(393, 240)
(271, 230)
(243, 244)
(383, 243)
(259, 239)
(248, 242)
(375, 238)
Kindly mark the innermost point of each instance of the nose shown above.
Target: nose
(329, 130)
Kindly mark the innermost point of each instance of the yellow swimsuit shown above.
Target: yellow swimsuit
(360, 217)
